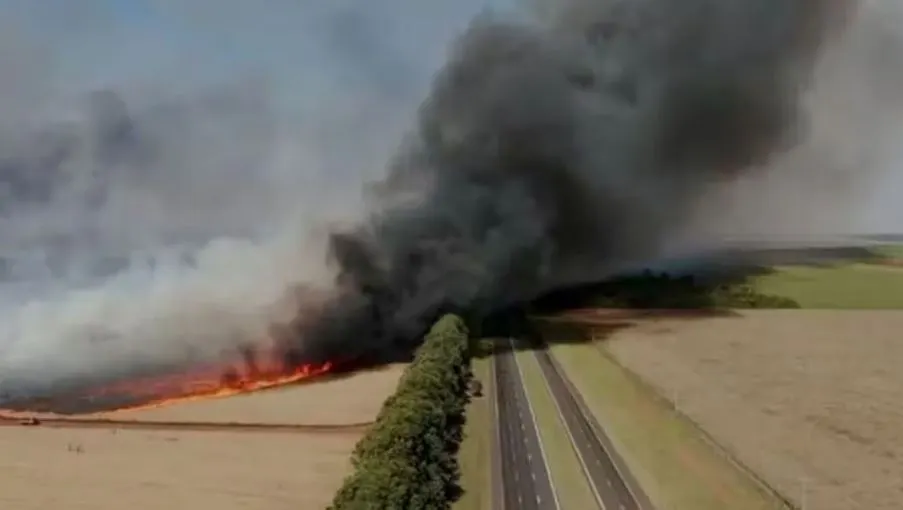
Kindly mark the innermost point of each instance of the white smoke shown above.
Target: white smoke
(160, 215)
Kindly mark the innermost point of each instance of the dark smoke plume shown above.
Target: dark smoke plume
(555, 150)
(157, 226)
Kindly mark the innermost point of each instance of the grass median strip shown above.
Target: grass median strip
(475, 456)
(568, 479)
(674, 464)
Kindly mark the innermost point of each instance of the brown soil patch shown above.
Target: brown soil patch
(797, 395)
(890, 262)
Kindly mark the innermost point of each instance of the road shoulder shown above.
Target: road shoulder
(477, 453)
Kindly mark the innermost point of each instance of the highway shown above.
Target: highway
(612, 484)
(525, 480)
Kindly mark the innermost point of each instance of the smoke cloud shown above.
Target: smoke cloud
(556, 145)
(163, 212)
(561, 150)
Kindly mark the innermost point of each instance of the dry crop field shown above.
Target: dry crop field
(146, 467)
(809, 399)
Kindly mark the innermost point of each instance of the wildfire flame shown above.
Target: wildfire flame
(204, 383)
(271, 362)
(279, 365)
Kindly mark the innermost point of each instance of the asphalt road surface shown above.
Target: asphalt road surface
(612, 485)
(526, 484)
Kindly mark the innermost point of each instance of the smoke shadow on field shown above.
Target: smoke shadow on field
(583, 326)
(710, 286)
(588, 313)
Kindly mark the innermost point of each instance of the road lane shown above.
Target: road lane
(608, 477)
(526, 483)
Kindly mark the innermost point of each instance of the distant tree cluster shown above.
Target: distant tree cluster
(408, 458)
(663, 291)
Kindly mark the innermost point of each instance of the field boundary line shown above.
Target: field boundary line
(719, 448)
(101, 423)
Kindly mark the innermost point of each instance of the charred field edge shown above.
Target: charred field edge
(76, 398)
(711, 286)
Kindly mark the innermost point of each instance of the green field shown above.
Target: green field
(854, 284)
(894, 251)
(568, 479)
(843, 286)
(475, 456)
(668, 455)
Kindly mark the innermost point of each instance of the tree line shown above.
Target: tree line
(408, 459)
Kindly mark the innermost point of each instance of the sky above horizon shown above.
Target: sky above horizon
(301, 48)
(306, 52)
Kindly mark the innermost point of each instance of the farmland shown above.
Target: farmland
(102, 467)
(808, 399)
(753, 408)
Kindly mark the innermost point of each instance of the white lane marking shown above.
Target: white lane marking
(542, 450)
(498, 431)
(573, 441)
(598, 431)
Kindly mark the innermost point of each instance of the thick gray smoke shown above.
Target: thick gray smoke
(557, 151)
(555, 146)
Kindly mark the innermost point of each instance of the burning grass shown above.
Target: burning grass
(214, 380)
(334, 399)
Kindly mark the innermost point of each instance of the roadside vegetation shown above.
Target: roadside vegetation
(475, 455)
(408, 459)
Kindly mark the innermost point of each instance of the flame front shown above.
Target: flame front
(214, 381)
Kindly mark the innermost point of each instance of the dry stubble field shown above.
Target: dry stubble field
(809, 399)
(110, 469)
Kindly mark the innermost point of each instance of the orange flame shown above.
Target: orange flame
(209, 382)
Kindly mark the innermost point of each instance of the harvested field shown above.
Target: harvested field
(100, 466)
(94, 469)
(808, 399)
